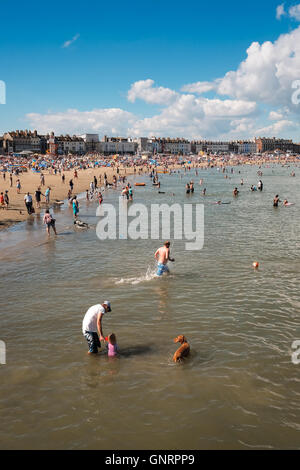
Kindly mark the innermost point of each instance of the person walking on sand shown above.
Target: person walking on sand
(71, 184)
(18, 186)
(162, 255)
(47, 195)
(28, 203)
(38, 194)
(11, 180)
(49, 221)
(6, 199)
(92, 325)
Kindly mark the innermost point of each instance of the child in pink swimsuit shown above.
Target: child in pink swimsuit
(112, 347)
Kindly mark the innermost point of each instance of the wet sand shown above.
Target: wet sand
(30, 181)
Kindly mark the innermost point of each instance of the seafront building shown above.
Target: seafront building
(264, 144)
(117, 145)
(31, 142)
(22, 141)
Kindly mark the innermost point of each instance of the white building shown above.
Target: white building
(91, 142)
(168, 145)
(246, 147)
(67, 144)
(210, 147)
(117, 145)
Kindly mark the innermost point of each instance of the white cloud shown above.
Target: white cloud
(238, 109)
(266, 75)
(294, 12)
(144, 90)
(280, 11)
(194, 117)
(110, 121)
(275, 116)
(68, 43)
(199, 87)
(228, 108)
(277, 128)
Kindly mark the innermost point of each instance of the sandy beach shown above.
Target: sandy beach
(30, 181)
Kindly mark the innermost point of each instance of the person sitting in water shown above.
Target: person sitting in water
(80, 224)
(162, 255)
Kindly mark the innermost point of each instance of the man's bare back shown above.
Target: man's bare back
(162, 255)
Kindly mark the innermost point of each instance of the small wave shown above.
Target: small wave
(150, 274)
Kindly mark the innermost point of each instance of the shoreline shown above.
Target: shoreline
(30, 181)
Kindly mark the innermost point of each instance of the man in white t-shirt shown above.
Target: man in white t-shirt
(28, 202)
(92, 325)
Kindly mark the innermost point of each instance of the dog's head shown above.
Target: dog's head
(180, 339)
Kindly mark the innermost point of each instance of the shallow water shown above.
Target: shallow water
(239, 388)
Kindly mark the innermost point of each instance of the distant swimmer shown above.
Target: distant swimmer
(162, 255)
(287, 203)
(235, 192)
(253, 188)
(276, 200)
(204, 192)
(260, 185)
(187, 188)
(220, 202)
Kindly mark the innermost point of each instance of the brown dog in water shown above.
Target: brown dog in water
(183, 350)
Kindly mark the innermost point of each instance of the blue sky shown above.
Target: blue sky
(69, 68)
